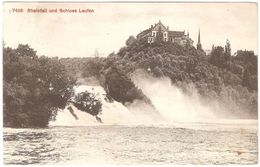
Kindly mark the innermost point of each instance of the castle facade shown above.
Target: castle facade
(158, 32)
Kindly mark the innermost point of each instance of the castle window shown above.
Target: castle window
(154, 33)
(150, 39)
(165, 39)
(165, 34)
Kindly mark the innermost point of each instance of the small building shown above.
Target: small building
(158, 32)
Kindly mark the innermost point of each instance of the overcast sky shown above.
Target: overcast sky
(106, 30)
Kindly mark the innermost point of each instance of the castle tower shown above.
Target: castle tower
(199, 47)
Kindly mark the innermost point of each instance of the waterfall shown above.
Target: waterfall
(172, 105)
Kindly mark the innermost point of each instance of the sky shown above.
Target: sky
(107, 28)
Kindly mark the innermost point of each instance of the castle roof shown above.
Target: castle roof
(176, 33)
(157, 25)
(143, 33)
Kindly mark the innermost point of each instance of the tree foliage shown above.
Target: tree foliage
(88, 102)
(227, 51)
(93, 67)
(121, 88)
(34, 87)
(130, 40)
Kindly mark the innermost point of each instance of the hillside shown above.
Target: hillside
(231, 80)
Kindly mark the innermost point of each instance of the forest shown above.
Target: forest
(36, 87)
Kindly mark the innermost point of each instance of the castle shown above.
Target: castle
(158, 32)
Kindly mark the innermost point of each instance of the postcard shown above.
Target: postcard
(130, 83)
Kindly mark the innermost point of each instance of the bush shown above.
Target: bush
(86, 101)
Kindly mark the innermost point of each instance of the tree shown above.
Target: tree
(247, 59)
(93, 67)
(130, 40)
(86, 101)
(217, 56)
(120, 87)
(34, 87)
(227, 50)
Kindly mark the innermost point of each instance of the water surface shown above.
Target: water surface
(212, 144)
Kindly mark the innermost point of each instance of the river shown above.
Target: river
(196, 143)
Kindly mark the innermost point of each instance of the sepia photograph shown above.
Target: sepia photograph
(130, 83)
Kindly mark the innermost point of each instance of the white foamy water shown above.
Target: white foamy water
(172, 103)
(112, 113)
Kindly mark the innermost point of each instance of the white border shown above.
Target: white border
(110, 1)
